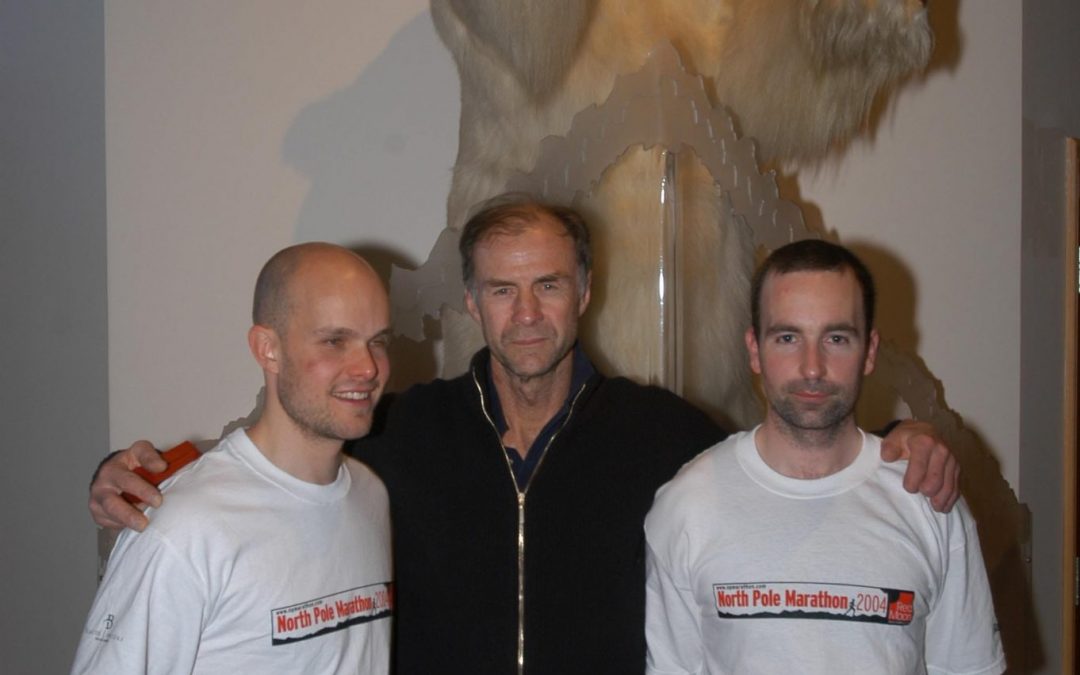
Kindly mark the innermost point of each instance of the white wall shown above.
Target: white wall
(53, 396)
(233, 130)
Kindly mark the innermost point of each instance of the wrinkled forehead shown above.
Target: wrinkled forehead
(524, 239)
(521, 222)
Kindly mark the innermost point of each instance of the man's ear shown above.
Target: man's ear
(871, 352)
(752, 350)
(265, 347)
(470, 305)
(586, 294)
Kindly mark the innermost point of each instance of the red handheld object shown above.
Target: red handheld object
(177, 458)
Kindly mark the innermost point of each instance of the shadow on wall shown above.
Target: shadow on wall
(372, 151)
(1003, 523)
(903, 386)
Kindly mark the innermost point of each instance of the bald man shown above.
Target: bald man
(272, 552)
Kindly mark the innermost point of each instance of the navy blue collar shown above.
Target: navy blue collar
(524, 467)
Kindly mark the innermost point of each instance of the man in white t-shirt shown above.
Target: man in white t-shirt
(272, 552)
(792, 548)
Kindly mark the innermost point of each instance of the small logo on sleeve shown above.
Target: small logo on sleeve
(331, 613)
(104, 630)
(808, 600)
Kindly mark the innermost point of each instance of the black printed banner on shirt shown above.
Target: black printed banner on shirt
(810, 600)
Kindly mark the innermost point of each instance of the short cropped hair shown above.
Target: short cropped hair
(812, 255)
(270, 306)
(512, 212)
(273, 300)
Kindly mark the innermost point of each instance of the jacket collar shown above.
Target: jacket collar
(583, 373)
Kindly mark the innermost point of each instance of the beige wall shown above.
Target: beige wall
(233, 130)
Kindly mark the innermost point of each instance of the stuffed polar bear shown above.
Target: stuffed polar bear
(799, 76)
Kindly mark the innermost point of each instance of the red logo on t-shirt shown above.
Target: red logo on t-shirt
(902, 609)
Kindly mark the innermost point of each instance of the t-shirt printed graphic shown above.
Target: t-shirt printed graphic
(806, 600)
(331, 613)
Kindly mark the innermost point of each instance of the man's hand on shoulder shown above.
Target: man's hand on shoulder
(932, 469)
(115, 476)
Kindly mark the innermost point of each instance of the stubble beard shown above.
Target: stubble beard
(548, 362)
(820, 426)
(522, 374)
(314, 421)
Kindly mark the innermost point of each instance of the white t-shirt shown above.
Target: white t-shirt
(247, 569)
(750, 571)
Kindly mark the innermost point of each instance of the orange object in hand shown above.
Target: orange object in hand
(177, 458)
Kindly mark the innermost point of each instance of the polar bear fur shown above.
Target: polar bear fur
(798, 75)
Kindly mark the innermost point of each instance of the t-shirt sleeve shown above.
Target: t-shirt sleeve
(961, 632)
(672, 632)
(148, 614)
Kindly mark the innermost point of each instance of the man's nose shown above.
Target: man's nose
(527, 308)
(813, 363)
(362, 364)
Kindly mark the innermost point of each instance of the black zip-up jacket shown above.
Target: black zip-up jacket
(456, 509)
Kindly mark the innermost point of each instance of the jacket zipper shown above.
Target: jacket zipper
(521, 509)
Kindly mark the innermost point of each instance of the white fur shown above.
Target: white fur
(799, 76)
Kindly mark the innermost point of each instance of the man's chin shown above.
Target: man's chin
(531, 371)
(359, 429)
(527, 366)
(814, 418)
(349, 430)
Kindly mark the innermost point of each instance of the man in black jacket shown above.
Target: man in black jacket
(518, 490)
(523, 484)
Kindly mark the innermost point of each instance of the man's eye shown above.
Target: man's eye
(333, 342)
(785, 339)
(839, 339)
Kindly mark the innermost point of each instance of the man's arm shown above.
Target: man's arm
(115, 476)
(932, 470)
(148, 614)
(962, 634)
(671, 630)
